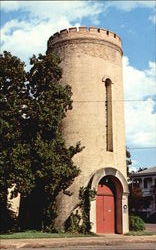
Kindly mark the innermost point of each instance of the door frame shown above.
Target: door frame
(122, 217)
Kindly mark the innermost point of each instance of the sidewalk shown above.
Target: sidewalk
(150, 227)
(64, 242)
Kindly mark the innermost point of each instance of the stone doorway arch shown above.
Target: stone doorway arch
(120, 189)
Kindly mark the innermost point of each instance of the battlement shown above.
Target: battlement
(84, 33)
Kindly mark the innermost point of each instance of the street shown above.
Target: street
(124, 246)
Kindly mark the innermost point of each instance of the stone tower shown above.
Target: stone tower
(92, 65)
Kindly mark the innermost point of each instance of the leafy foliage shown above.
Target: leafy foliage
(86, 195)
(73, 223)
(136, 223)
(79, 220)
(138, 203)
(141, 169)
(135, 198)
(12, 93)
(34, 155)
(128, 160)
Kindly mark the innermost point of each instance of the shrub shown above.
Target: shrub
(80, 221)
(72, 224)
(136, 223)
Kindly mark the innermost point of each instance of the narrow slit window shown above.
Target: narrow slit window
(109, 125)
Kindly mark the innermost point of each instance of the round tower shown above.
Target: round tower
(92, 65)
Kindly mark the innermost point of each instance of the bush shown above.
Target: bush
(72, 224)
(136, 223)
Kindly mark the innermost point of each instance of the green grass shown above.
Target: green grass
(139, 233)
(38, 234)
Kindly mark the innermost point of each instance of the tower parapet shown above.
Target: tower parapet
(83, 33)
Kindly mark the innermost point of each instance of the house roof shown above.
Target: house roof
(149, 171)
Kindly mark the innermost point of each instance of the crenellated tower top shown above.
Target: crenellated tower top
(84, 33)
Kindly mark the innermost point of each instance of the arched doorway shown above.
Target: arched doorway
(109, 205)
(119, 187)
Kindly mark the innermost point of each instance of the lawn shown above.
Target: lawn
(139, 233)
(38, 234)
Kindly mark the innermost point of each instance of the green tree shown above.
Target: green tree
(128, 160)
(141, 169)
(41, 164)
(13, 91)
(135, 198)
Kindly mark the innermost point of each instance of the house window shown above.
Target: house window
(109, 125)
(147, 182)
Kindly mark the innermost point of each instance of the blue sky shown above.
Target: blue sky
(27, 25)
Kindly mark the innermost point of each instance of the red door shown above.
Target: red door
(105, 218)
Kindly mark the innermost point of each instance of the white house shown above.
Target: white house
(146, 181)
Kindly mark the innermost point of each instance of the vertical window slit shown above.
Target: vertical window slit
(109, 125)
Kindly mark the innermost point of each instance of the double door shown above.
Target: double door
(105, 213)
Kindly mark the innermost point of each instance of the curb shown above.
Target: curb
(66, 242)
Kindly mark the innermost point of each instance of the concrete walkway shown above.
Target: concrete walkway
(83, 241)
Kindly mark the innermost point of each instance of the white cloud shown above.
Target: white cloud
(139, 84)
(44, 18)
(44, 8)
(9, 5)
(24, 38)
(130, 5)
(153, 18)
(73, 9)
(134, 166)
(141, 124)
(140, 115)
(52, 10)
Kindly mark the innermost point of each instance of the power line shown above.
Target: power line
(141, 147)
(134, 100)
(116, 101)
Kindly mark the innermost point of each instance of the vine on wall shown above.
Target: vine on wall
(79, 220)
